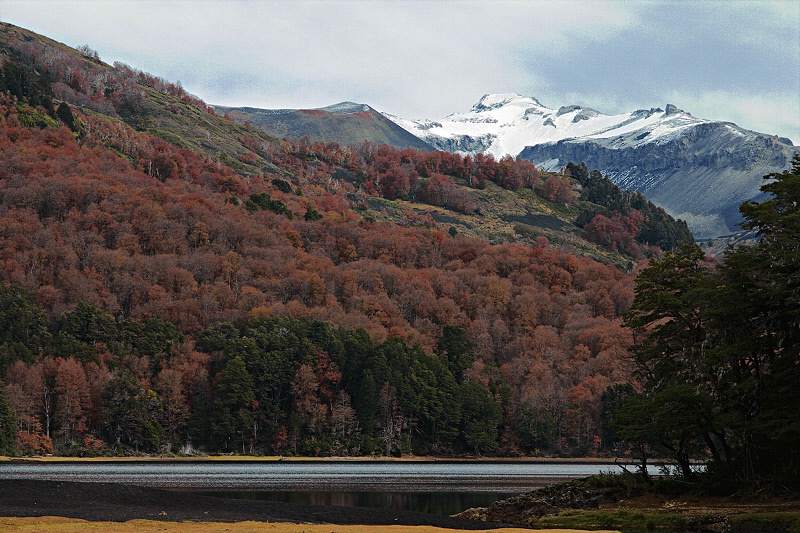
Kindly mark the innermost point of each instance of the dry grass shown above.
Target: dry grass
(709, 505)
(51, 524)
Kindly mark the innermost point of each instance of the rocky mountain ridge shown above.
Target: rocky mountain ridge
(347, 123)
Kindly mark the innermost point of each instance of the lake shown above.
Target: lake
(431, 486)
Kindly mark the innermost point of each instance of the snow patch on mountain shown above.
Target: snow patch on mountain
(507, 123)
(346, 107)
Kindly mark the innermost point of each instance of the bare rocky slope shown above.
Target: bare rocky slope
(700, 176)
(346, 123)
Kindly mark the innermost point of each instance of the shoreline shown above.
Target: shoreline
(290, 459)
(63, 525)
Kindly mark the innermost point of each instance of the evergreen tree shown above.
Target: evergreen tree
(25, 83)
(129, 414)
(612, 400)
(8, 423)
(480, 418)
(82, 328)
(656, 228)
(23, 331)
(457, 350)
(64, 114)
(311, 215)
(717, 351)
(759, 325)
(235, 422)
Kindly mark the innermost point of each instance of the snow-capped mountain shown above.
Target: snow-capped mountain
(698, 170)
(504, 124)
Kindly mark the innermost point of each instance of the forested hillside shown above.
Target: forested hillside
(171, 279)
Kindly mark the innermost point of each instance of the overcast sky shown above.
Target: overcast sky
(728, 60)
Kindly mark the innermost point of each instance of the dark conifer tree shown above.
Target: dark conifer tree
(64, 114)
(8, 423)
(717, 352)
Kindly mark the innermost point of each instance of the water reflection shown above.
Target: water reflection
(434, 487)
(425, 502)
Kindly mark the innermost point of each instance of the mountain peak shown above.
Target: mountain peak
(495, 101)
(672, 110)
(347, 123)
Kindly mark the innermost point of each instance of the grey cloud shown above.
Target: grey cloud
(429, 59)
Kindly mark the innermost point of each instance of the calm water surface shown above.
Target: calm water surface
(313, 476)
(437, 487)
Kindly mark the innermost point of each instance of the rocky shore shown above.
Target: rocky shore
(550, 500)
(631, 507)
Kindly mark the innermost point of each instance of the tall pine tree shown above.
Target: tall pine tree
(8, 423)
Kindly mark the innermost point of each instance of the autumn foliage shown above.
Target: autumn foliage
(154, 300)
